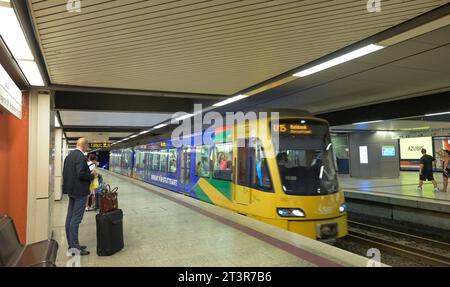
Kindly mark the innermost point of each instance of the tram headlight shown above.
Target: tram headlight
(343, 208)
(290, 212)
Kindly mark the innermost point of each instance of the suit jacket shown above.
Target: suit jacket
(76, 175)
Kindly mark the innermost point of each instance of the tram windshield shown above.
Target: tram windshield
(306, 163)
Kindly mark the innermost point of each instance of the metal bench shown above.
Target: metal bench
(14, 254)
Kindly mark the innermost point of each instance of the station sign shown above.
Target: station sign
(99, 145)
(10, 94)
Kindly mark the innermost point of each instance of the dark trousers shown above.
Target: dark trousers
(75, 214)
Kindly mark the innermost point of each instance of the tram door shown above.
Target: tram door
(185, 168)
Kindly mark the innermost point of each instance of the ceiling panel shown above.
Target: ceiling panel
(198, 46)
(111, 119)
(394, 125)
(412, 68)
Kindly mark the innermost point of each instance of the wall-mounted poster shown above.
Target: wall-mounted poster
(410, 147)
(363, 155)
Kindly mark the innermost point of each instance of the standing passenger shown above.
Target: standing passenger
(92, 164)
(426, 170)
(445, 157)
(76, 180)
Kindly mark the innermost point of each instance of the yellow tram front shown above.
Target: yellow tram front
(300, 171)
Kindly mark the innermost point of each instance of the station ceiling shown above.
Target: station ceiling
(396, 125)
(118, 119)
(95, 136)
(198, 46)
(128, 58)
(412, 68)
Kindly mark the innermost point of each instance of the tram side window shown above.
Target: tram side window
(173, 160)
(202, 161)
(164, 154)
(223, 161)
(137, 159)
(155, 160)
(148, 162)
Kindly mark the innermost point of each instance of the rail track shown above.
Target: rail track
(403, 244)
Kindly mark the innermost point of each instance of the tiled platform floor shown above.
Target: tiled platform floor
(161, 232)
(405, 185)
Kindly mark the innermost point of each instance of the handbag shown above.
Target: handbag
(109, 201)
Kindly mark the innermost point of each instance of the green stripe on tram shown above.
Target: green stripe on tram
(222, 186)
(200, 194)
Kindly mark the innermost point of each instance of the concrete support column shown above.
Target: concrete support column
(40, 167)
(58, 163)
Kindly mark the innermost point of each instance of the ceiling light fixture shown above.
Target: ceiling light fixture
(184, 117)
(370, 122)
(339, 60)
(437, 114)
(31, 72)
(57, 124)
(14, 38)
(160, 126)
(144, 132)
(230, 100)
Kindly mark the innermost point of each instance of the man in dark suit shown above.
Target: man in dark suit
(76, 181)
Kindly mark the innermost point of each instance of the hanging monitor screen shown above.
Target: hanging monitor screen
(10, 94)
(410, 147)
(388, 150)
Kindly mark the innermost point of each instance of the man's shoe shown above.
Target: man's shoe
(82, 247)
(75, 251)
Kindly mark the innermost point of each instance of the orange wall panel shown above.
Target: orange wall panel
(14, 166)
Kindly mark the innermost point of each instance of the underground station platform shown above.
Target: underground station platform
(227, 134)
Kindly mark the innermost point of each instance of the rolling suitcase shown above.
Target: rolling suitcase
(109, 232)
(98, 197)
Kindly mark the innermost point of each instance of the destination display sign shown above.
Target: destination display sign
(99, 145)
(298, 127)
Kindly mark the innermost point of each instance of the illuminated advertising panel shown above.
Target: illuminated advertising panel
(410, 147)
(363, 154)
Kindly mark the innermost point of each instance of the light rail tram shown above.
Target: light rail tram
(294, 187)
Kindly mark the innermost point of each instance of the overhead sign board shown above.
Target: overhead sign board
(99, 145)
(10, 94)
